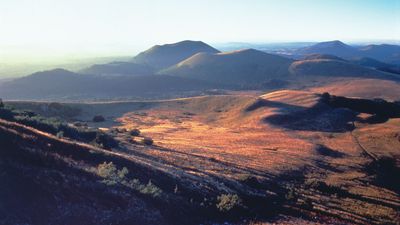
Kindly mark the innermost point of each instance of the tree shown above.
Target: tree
(1, 103)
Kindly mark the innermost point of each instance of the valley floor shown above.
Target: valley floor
(289, 159)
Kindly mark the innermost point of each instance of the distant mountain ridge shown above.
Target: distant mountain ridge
(336, 48)
(206, 69)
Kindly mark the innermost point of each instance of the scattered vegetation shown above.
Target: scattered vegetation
(112, 176)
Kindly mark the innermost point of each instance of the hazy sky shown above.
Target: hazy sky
(123, 26)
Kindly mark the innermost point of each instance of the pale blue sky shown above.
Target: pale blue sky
(122, 26)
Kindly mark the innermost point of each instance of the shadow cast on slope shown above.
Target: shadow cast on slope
(319, 117)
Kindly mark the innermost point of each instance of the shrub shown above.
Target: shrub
(148, 189)
(98, 118)
(227, 202)
(111, 174)
(135, 132)
(148, 141)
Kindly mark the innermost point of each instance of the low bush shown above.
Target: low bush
(6, 114)
(112, 175)
(147, 141)
(105, 141)
(228, 202)
(57, 127)
(135, 132)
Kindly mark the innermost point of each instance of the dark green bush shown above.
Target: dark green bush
(148, 141)
(106, 141)
(6, 114)
(228, 202)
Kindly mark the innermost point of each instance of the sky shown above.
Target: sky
(124, 27)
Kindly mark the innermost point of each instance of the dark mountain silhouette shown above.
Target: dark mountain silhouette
(61, 84)
(241, 67)
(373, 63)
(386, 53)
(119, 68)
(370, 62)
(163, 56)
(204, 70)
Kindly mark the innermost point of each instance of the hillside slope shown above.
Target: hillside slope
(243, 67)
(163, 56)
(335, 68)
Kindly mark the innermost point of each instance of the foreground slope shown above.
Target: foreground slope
(294, 153)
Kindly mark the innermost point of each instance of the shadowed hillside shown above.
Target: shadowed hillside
(119, 68)
(61, 84)
(335, 68)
